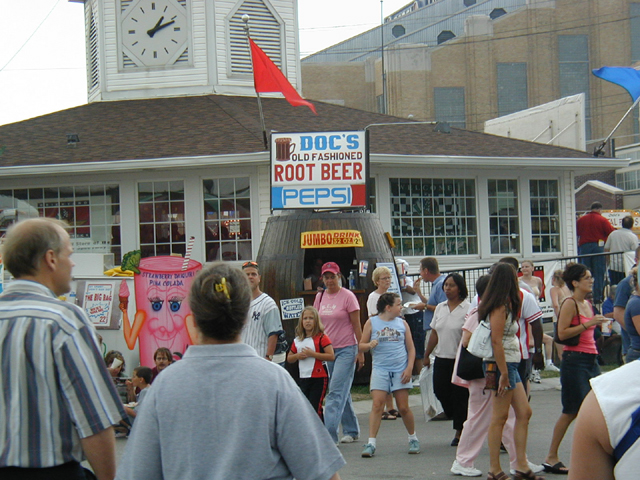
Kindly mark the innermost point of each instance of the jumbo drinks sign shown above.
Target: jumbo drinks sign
(319, 170)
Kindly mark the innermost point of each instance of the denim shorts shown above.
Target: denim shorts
(512, 372)
(387, 381)
(576, 370)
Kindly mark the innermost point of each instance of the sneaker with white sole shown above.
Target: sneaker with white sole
(369, 450)
(348, 439)
(532, 466)
(414, 446)
(535, 377)
(550, 367)
(458, 469)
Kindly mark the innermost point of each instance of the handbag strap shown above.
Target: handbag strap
(577, 311)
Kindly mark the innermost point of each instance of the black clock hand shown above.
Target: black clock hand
(151, 32)
(165, 25)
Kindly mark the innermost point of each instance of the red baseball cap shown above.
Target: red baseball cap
(330, 267)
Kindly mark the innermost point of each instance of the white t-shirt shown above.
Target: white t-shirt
(372, 303)
(622, 240)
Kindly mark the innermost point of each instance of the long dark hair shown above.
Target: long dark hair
(502, 290)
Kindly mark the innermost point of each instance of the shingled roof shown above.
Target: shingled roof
(217, 125)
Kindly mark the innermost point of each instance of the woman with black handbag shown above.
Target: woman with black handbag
(579, 364)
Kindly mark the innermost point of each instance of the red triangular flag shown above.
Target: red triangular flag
(267, 77)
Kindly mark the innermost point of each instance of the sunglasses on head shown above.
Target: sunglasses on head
(249, 264)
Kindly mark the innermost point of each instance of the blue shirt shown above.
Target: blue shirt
(632, 310)
(625, 288)
(436, 297)
(391, 352)
(607, 306)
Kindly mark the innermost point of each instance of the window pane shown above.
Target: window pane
(503, 216)
(512, 88)
(449, 106)
(545, 220)
(161, 229)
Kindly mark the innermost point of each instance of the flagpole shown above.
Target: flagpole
(245, 19)
(600, 149)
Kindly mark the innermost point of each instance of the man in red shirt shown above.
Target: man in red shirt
(593, 230)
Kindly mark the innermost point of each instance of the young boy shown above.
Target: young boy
(141, 379)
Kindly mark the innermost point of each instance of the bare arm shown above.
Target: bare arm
(466, 336)
(271, 345)
(591, 452)
(365, 345)
(431, 344)
(618, 316)
(100, 450)
(555, 301)
(497, 319)
(536, 330)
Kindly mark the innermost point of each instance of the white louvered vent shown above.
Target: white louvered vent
(184, 58)
(94, 53)
(265, 31)
(127, 62)
(124, 5)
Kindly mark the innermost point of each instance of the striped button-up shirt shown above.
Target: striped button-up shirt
(55, 386)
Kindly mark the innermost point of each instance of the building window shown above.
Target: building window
(161, 210)
(445, 35)
(468, 3)
(373, 208)
(628, 180)
(497, 13)
(398, 31)
(265, 31)
(573, 58)
(449, 106)
(634, 27)
(434, 216)
(512, 88)
(545, 216)
(227, 219)
(503, 216)
(93, 213)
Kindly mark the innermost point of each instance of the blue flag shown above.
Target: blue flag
(627, 77)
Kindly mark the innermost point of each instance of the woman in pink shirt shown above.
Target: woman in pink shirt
(340, 313)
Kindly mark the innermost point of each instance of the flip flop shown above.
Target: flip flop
(388, 416)
(395, 413)
(557, 468)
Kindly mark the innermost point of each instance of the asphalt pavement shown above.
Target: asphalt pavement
(392, 461)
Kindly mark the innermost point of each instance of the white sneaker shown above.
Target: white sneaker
(535, 377)
(458, 469)
(552, 368)
(348, 439)
(532, 466)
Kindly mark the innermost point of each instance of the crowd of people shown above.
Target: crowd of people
(178, 407)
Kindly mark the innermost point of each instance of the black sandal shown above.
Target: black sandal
(395, 413)
(527, 476)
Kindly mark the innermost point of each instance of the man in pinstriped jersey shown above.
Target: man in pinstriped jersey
(263, 322)
(58, 402)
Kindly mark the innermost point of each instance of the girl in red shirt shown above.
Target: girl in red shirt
(311, 348)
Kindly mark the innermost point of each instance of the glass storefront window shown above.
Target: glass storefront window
(434, 216)
(545, 216)
(503, 216)
(92, 213)
(227, 219)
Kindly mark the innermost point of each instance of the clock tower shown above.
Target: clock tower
(166, 48)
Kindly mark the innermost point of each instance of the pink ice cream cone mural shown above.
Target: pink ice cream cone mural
(162, 307)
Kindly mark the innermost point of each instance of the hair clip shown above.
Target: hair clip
(222, 287)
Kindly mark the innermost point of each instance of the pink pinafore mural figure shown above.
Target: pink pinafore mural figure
(163, 316)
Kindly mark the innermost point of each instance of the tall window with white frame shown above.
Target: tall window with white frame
(434, 216)
(545, 215)
(162, 222)
(504, 223)
(227, 219)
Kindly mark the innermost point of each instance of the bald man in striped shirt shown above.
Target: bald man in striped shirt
(58, 402)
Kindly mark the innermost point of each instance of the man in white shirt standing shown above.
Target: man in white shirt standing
(622, 240)
(264, 323)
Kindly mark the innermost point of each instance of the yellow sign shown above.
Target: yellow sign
(331, 239)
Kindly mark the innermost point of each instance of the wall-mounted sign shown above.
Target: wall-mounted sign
(97, 300)
(331, 239)
(319, 170)
(291, 308)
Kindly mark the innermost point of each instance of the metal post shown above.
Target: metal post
(245, 19)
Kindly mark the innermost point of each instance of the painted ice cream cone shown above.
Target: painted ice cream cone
(123, 295)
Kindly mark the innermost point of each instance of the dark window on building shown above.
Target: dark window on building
(496, 13)
(512, 88)
(573, 63)
(449, 106)
(445, 35)
(468, 3)
(634, 27)
(398, 31)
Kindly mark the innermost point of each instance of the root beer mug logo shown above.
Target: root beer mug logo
(319, 170)
(284, 149)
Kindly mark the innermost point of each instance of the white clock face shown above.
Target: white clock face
(154, 32)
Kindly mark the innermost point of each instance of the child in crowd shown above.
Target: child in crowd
(389, 338)
(311, 348)
(141, 380)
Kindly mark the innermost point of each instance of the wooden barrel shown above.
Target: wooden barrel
(284, 264)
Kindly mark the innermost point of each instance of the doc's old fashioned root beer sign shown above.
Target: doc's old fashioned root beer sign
(319, 170)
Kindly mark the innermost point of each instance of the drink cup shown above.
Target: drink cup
(162, 290)
(284, 149)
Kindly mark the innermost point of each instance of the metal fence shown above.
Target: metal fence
(471, 275)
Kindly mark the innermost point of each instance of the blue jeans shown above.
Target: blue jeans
(338, 407)
(597, 266)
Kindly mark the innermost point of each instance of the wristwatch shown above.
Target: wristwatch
(270, 357)
(538, 350)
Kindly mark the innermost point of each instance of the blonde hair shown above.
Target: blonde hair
(377, 273)
(318, 327)
(557, 275)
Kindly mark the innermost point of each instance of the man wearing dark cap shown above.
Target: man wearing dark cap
(593, 230)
